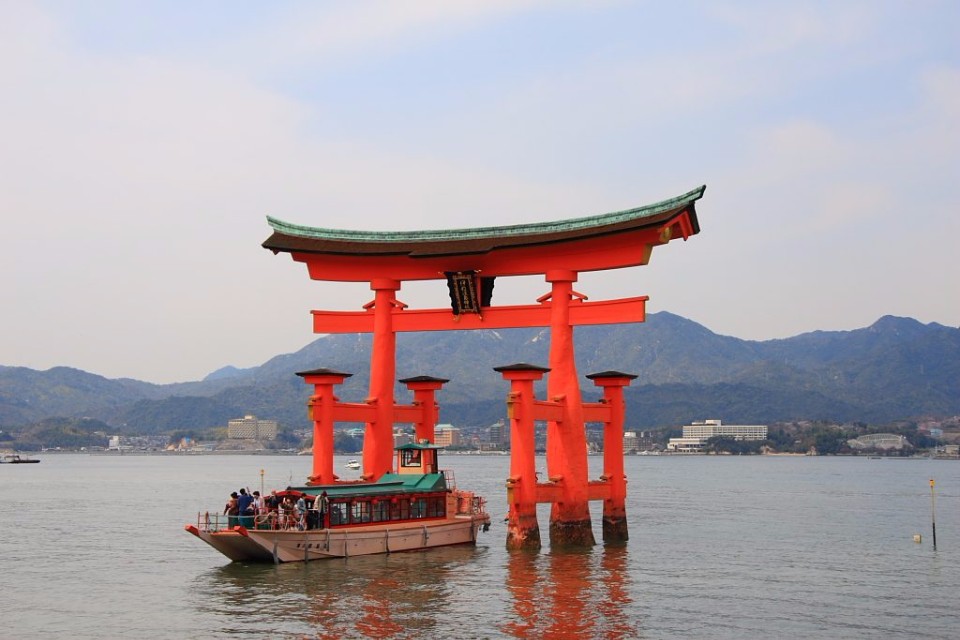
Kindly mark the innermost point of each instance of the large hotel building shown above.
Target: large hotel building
(696, 435)
(249, 428)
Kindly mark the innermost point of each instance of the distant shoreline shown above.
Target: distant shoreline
(182, 454)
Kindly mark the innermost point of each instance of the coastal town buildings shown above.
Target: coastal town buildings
(637, 441)
(499, 434)
(401, 437)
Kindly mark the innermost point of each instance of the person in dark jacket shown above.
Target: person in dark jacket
(245, 506)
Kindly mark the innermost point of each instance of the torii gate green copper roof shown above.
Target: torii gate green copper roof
(300, 238)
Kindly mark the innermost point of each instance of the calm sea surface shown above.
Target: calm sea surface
(93, 546)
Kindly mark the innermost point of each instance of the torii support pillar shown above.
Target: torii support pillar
(523, 532)
(424, 388)
(614, 505)
(320, 409)
(566, 438)
(325, 409)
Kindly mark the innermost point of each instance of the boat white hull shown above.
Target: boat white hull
(233, 544)
(265, 545)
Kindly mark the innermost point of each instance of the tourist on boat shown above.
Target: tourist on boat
(257, 507)
(318, 511)
(301, 508)
(232, 510)
(286, 513)
(245, 506)
(272, 504)
(244, 501)
(322, 503)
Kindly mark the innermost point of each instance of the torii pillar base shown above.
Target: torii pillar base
(615, 529)
(565, 533)
(523, 533)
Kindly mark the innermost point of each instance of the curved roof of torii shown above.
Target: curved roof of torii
(294, 238)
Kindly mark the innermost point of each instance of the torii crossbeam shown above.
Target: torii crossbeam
(469, 260)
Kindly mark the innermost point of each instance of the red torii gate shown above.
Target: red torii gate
(469, 259)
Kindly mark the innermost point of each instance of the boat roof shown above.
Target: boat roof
(416, 445)
(388, 484)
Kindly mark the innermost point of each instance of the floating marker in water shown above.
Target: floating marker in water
(917, 537)
(933, 514)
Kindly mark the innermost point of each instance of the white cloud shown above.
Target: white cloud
(135, 186)
(324, 35)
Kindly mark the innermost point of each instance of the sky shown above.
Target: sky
(143, 144)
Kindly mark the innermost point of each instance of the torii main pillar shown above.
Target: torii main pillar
(566, 438)
(469, 260)
(378, 456)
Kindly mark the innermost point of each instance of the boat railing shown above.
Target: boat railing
(213, 522)
(479, 505)
(449, 478)
(468, 503)
(275, 520)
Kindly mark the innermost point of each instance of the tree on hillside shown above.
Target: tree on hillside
(345, 443)
(726, 444)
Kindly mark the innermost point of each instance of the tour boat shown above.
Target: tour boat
(417, 506)
(352, 464)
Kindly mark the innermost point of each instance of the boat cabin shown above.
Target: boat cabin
(416, 490)
(417, 458)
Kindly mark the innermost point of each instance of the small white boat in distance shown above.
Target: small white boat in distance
(352, 464)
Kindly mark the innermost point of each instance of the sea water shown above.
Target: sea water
(93, 546)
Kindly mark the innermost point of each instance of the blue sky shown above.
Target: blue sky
(145, 143)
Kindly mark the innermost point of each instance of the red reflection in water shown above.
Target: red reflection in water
(522, 584)
(373, 620)
(323, 616)
(376, 620)
(570, 595)
(614, 574)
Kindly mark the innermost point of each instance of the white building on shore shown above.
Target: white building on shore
(250, 428)
(879, 441)
(696, 435)
(446, 435)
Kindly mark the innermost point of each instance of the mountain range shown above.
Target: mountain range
(895, 369)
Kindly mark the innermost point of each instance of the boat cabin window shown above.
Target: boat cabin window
(339, 513)
(380, 510)
(361, 512)
(410, 458)
(369, 510)
(399, 509)
(431, 507)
